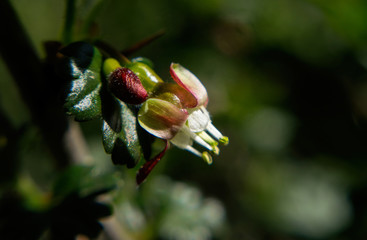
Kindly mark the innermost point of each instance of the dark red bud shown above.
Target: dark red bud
(126, 86)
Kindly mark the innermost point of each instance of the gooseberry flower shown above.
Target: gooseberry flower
(177, 113)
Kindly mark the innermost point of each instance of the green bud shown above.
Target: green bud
(147, 76)
(144, 60)
(109, 65)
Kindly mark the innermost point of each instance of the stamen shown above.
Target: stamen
(193, 150)
(215, 150)
(213, 131)
(207, 158)
(207, 138)
(224, 140)
(200, 141)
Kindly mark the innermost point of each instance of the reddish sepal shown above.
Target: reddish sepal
(148, 166)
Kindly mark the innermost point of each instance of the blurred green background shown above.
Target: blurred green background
(287, 84)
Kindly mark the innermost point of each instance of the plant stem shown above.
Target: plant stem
(35, 87)
(68, 30)
(88, 29)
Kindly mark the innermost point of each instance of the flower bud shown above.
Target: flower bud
(147, 76)
(126, 86)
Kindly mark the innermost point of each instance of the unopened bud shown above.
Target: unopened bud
(126, 86)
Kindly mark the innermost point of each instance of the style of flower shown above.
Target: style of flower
(175, 112)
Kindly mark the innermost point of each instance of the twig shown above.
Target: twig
(111, 51)
(142, 43)
(69, 22)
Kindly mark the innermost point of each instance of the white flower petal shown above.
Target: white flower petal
(198, 120)
(183, 138)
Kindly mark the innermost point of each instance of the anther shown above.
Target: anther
(207, 157)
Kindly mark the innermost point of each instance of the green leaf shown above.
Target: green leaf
(87, 108)
(83, 68)
(119, 129)
(87, 97)
(81, 180)
(76, 209)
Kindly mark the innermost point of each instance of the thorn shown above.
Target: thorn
(137, 46)
(111, 51)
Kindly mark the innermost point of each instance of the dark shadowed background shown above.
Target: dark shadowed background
(287, 83)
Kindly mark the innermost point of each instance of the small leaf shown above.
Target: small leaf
(79, 212)
(121, 155)
(119, 129)
(83, 64)
(81, 179)
(87, 108)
